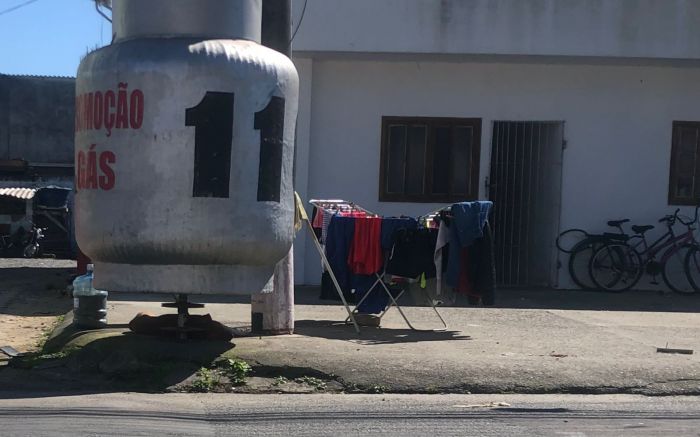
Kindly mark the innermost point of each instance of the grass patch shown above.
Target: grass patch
(221, 374)
(378, 389)
(207, 380)
(317, 384)
(46, 332)
(279, 380)
(30, 361)
(235, 370)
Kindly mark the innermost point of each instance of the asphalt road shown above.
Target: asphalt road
(271, 415)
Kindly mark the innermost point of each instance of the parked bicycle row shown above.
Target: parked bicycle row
(616, 261)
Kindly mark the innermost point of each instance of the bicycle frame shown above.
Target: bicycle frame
(629, 264)
(668, 240)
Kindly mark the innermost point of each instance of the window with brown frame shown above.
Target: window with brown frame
(684, 185)
(430, 159)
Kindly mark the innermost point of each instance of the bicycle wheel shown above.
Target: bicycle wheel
(692, 267)
(567, 241)
(579, 260)
(615, 267)
(31, 251)
(674, 271)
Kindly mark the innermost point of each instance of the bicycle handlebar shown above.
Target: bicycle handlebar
(671, 219)
(689, 223)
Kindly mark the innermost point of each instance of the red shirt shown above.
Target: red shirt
(366, 256)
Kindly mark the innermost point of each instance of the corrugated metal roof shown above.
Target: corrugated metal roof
(35, 76)
(18, 193)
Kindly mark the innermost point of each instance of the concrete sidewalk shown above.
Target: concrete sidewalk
(485, 350)
(537, 341)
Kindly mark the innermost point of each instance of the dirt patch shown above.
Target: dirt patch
(32, 296)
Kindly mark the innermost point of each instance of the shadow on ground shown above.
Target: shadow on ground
(371, 335)
(645, 301)
(581, 300)
(108, 360)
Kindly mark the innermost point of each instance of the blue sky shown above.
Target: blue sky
(48, 37)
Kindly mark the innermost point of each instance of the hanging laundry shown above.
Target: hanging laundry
(317, 221)
(470, 218)
(467, 224)
(464, 285)
(328, 291)
(441, 251)
(483, 267)
(376, 302)
(366, 256)
(392, 224)
(341, 232)
(326, 221)
(413, 253)
(354, 214)
(477, 275)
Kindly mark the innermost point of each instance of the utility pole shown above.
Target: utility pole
(273, 313)
(277, 25)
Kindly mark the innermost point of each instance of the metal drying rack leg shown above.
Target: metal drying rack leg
(332, 275)
(357, 305)
(444, 324)
(394, 302)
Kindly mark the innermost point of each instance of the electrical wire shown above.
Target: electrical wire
(301, 20)
(14, 8)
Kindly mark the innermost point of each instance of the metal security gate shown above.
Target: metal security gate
(525, 186)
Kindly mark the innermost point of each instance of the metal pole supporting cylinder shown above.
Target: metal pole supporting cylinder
(277, 25)
(273, 313)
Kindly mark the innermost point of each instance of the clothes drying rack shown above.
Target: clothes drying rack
(347, 206)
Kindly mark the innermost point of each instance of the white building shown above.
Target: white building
(564, 112)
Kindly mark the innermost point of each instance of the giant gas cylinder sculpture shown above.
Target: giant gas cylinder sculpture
(184, 150)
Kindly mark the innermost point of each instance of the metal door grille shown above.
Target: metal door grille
(525, 186)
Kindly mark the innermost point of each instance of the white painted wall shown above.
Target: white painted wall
(618, 127)
(598, 28)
